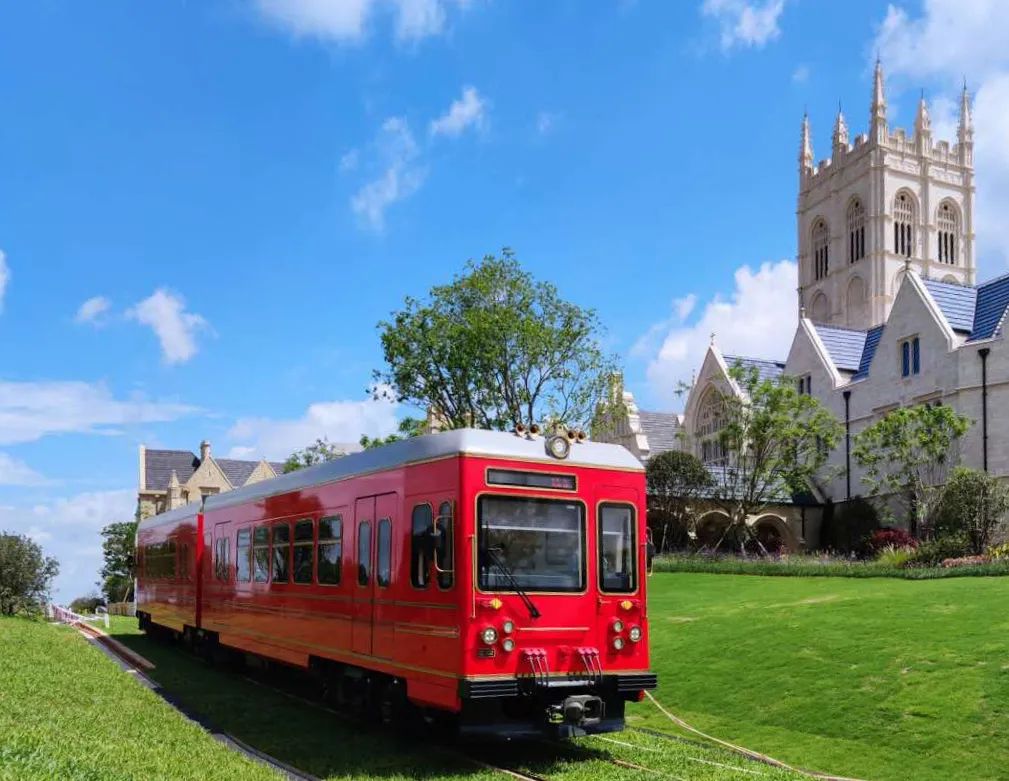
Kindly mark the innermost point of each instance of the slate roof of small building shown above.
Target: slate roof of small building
(766, 370)
(957, 303)
(845, 345)
(872, 337)
(778, 492)
(160, 463)
(661, 429)
(237, 472)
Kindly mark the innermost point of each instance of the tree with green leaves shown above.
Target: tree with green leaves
(974, 505)
(907, 455)
(675, 480)
(119, 550)
(26, 575)
(318, 452)
(495, 348)
(408, 427)
(773, 442)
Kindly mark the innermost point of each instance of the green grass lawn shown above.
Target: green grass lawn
(879, 679)
(67, 712)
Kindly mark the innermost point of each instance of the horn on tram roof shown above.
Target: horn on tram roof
(520, 429)
(534, 429)
(581, 436)
(571, 435)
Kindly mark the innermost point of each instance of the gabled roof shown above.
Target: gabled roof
(872, 337)
(766, 370)
(956, 302)
(992, 300)
(845, 345)
(237, 472)
(661, 429)
(160, 463)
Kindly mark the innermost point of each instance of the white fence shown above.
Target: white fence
(67, 616)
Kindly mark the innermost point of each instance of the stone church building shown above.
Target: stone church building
(890, 313)
(173, 478)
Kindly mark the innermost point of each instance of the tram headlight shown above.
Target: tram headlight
(489, 635)
(618, 626)
(508, 644)
(558, 446)
(635, 634)
(618, 643)
(508, 627)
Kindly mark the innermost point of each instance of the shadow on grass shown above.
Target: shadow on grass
(309, 737)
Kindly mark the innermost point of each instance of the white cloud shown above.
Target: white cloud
(800, 75)
(31, 410)
(349, 160)
(346, 21)
(400, 176)
(937, 47)
(176, 328)
(92, 310)
(742, 23)
(338, 421)
(5, 276)
(758, 320)
(469, 110)
(15, 472)
(68, 529)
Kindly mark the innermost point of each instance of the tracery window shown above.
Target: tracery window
(856, 231)
(947, 223)
(821, 249)
(710, 422)
(903, 225)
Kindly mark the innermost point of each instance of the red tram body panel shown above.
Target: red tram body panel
(496, 579)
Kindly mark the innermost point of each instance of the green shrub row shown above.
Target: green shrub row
(811, 566)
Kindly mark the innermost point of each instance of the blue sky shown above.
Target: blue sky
(206, 207)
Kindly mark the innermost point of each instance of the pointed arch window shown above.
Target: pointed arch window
(710, 422)
(903, 225)
(948, 224)
(856, 231)
(821, 249)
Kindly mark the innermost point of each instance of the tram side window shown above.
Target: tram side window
(261, 554)
(364, 553)
(617, 548)
(383, 572)
(159, 560)
(281, 548)
(221, 558)
(444, 557)
(243, 555)
(303, 551)
(420, 560)
(330, 553)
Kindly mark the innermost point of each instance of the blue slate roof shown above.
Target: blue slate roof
(845, 345)
(872, 337)
(766, 370)
(957, 303)
(992, 299)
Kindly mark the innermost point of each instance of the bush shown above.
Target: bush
(891, 538)
(934, 552)
(998, 552)
(25, 575)
(894, 555)
(87, 604)
(974, 505)
(965, 561)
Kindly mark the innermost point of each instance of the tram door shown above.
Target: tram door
(372, 629)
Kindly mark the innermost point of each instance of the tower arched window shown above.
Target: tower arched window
(707, 431)
(821, 249)
(948, 225)
(856, 231)
(903, 225)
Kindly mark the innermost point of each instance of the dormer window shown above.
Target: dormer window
(910, 357)
(805, 385)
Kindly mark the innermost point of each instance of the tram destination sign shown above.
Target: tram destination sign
(521, 479)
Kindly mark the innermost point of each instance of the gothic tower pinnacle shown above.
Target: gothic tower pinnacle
(922, 121)
(840, 133)
(805, 147)
(877, 123)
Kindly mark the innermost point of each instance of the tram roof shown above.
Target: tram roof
(466, 441)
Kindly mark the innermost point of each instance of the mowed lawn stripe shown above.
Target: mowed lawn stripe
(880, 678)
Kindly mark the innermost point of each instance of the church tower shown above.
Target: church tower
(877, 203)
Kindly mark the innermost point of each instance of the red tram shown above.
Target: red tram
(488, 578)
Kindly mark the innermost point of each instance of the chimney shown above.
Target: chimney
(204, 451)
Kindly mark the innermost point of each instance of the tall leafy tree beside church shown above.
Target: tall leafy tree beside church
(119, 552)
(906, 456)
(493, 348)
(773, 442)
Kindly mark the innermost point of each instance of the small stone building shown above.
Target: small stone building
(172, 478)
